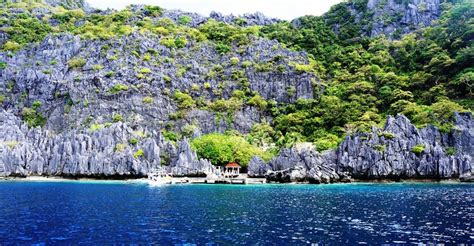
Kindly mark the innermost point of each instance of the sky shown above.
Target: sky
(282, 9)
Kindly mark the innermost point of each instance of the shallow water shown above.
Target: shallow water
(73, 212)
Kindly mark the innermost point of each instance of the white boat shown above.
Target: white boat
(159, 178)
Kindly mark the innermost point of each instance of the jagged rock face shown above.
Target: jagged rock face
(386, 153)
(194, 19)
(101, 153)
(70, 4)
(255, 19)
(72, 96)
(389, 153)
(257, 168)
(301, 164)
(188, 164)
(104, 153)
(406, 16)
(393, 18)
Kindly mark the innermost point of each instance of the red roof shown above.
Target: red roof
(232, 164)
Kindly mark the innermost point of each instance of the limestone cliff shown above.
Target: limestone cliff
(397, 151)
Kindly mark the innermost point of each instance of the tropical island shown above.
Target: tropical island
(373, 89)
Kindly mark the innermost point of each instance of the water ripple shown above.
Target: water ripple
(71, 213)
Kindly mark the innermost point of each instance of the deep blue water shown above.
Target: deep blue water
(92, 213)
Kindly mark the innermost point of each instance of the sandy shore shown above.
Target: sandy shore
(61, 179)
(144, 180)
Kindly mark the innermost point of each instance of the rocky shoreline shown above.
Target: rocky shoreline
(37, 152)
(397, 151)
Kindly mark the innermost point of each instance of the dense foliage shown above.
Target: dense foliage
(426, 75)
(222, 149)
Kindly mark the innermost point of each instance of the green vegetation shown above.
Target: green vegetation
(427, 75)
(418, 149)
(109, 74)
(180, 42)
(120, 147)
(148, 100)
(144, 70)
(11, 144)
(118, 88)
(168, 42)
(387, 135)
(153, 11)
(221, 149)
(380, 147)
(97, 67)
(258, 101)
(188, 130)
(450, 151)
(184, 20)
(32, 116)
(184, 100)
(329, 141)
(222, 105)
(22, 29)
(133, 141)
(96, 127)
(234, 60)
(170, 136)
(147, 57)
(11, 46)
(117, 117)
(140, 153)
(76, 63)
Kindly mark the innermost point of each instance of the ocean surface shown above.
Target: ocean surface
(98, 213)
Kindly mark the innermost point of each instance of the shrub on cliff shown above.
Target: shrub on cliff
(32, 117)
(118, 88)
(117, 117)
(140, 153)
(78, 62)
(418, 149)
(153, 11)
(258, 101)
(184, 100)
(11, 46)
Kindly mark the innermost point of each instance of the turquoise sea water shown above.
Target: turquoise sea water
(95, 213)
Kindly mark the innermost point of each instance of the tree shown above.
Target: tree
(221, 149)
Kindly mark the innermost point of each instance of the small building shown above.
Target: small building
(232, 169)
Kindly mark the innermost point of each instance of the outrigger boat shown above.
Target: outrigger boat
(159, 178)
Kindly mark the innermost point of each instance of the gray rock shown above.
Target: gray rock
(302, 163)
(387, 152)
(253, 19)
(257, 168)
(70, 4)
(380, 154)
(469, 177)
(249, 19)
(394, 18)
(188, 164)
(42, 73)
(322, 174)
(103, 153)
